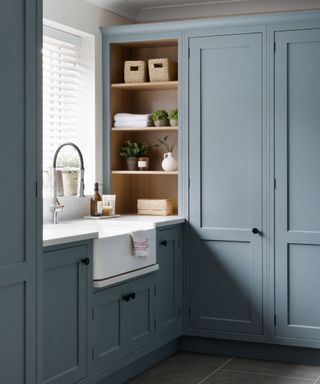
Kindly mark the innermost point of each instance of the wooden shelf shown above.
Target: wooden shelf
(160, 173)
(161, 85)
(145, 129)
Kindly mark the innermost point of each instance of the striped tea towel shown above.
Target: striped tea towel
(140, 243)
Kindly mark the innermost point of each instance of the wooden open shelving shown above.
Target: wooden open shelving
(142, 98)
(145, 129)
(163, 85)
(145, 173)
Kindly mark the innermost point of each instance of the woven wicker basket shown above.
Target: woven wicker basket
(158, 207)
(135, 71)
(162, 70)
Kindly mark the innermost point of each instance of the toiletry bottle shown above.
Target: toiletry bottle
(96, 202)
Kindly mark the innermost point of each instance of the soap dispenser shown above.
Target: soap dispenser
(96, 202)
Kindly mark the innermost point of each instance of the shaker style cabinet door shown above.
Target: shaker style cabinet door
(226, 183)
(18, 148)
(297, 196)
(65, 283)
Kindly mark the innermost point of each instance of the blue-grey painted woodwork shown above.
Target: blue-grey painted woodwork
(122, 324)
(65, 286)
(169, 280)
(18, 148)
(297, 203)
(226, 183)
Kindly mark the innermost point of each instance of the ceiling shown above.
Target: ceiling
(157, 10)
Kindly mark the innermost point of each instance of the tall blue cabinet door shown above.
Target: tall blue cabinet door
(18, 148)
(226, 183)
(297, 167)
(65, 283)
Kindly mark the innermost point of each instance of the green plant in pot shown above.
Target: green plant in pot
(160, 118)
(131, 151)
(173, 116)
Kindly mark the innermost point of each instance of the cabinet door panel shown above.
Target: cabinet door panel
(226, 182)
(65, 314)
(297, 137)
(108, 327)
(18, 151)
(168, 281)
(140, 313)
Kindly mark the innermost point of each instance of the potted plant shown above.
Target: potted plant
(131, 151)
(173, 116)
(169, 163)
(160, 118)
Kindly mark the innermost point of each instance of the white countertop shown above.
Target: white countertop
(85, 229)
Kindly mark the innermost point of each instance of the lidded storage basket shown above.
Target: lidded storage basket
(135, 71)
(162, 70)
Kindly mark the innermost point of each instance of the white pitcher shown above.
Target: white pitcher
(169, 163)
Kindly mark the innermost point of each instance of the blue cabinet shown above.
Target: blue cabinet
(297, 159)
(65, 290)
(226, 281)
(169, 281)
(123, 320)
(19, 79)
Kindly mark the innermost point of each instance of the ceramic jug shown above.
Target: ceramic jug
(169, 163)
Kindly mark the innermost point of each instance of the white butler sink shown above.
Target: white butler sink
(113, 260)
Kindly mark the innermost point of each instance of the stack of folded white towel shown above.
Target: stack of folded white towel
(129, 120)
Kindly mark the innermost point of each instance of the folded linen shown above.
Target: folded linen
(131, 116)
(141, 246)
(132, 124)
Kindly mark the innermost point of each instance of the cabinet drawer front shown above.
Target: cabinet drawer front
(226, 182)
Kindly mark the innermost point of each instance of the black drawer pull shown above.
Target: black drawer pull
(129, 296)
(86, 261)
(164, 243)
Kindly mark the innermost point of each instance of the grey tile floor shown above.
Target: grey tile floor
(192, 368)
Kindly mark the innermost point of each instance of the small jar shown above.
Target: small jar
(106, 210)
(143, 163)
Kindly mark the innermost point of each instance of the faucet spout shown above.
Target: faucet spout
(56, 206)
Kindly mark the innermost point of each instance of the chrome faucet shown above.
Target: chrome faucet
(56, 207)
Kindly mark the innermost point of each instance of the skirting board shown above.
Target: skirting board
(140, 365)
(250, 350)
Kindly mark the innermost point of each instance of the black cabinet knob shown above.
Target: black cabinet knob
(129, 296)
(133, 295)
(126, 297)
(256, 231)
(164, 243)
(86, 261)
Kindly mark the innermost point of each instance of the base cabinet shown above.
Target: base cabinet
(123, 320)
(169, 280)
(66, 281)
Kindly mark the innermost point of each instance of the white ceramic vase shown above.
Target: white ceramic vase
(169, 163)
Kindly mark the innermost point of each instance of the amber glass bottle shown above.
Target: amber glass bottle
(96, 202)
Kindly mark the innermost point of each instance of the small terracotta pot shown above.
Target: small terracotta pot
(132, 163)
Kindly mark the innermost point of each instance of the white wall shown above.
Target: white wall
(85, 17)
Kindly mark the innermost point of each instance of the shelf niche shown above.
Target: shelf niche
(142, 98)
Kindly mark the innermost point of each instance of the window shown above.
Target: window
(68, 106)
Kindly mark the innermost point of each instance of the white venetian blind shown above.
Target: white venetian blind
(61, 90)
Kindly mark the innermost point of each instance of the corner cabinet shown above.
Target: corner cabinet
(66, 284)
(169, 280)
